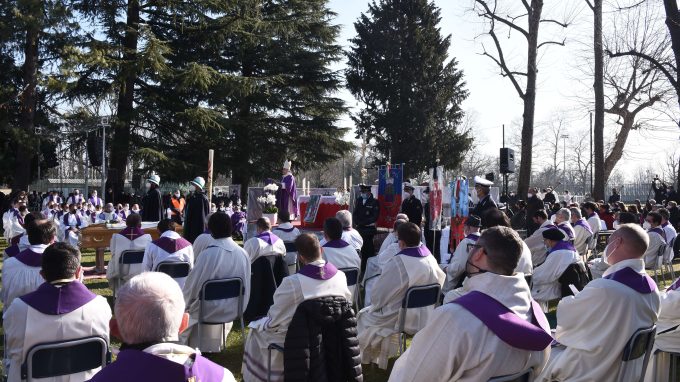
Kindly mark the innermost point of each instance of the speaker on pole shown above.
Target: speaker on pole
(94, 150)
(507, 161)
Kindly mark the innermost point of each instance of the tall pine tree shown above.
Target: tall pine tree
(399, 68)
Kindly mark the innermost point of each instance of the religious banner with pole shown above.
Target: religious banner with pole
(211, 155)
(389, 193)
(436, 193)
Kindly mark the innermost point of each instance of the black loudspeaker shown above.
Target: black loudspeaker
(507, 162)
(490, 177)
(94, 150)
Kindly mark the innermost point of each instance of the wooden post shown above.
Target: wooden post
(211, 154)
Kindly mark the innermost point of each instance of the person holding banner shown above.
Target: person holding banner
(486, 202)
(365, 215)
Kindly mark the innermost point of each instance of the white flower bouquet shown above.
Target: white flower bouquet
(271, 188)
(268, 200)
(341, 198)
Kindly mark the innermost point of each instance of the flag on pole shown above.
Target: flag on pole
(390, 179)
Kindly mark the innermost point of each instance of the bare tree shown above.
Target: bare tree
(580, 160)
(670, 168)
(499, 20)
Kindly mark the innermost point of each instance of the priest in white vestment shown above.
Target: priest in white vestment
(71, 223)
(657, 239)
(149, 350)
(131, 238)
(170, 247)
(377, 323)
(265, 243)
(21, 273)
(62, 308)
(349, 234)
(108, 215)
(455, 270)
(464, 340)
(667, 335)
(221, 260)
(582, 231)
(593, 219)
(288, 233)
(560, 254)
(316, 278)
(594, 326)
(337, 251)
(535, 241)
(376, 264)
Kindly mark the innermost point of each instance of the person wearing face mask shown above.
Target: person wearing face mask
(95, 200)
(411, 205)
(534, 203)
(152, 204)
(561, 254)
(71, 224)
(465, 340)
(108, 215)
(535, 241)
(457, 264)
(657, 238)
(414, 265)
(75, 198)
(365, 215)
(594, 326)
(196, 210)
(486, 202)
(135, 209)
(177, 203)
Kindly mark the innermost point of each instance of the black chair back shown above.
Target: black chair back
(421, 296)
(131, 257)
(60, 358)
(290, 246)
(523, 376)
(352, 275)
(222, 289)
(174, 269)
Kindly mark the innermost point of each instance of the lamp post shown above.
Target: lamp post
(564, 153)
(104, 123)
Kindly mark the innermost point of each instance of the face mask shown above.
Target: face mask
(177, 195)
(148, 186)
(364, 195)
(468, 267)
(213, 210)
(135, 211)
(530, 195)
(606, 254)
(196, 189)
(407, 195)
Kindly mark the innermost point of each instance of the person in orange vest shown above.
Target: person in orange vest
(177, 203)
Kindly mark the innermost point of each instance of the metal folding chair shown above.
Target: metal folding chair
(269, 359)
(221, 289)
(174, 269)
(352, 275)
(667, 260)
(60, 358)
(416, 297)
(672, 371)
(522, 376)
(127, 257)
(658, 264)
(291, 256)
(638, 346)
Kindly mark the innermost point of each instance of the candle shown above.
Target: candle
(344, 184)
(303, 186)
(350, 183)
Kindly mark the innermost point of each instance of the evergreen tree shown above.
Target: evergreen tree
(411, 95)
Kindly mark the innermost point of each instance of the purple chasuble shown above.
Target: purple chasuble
(660, 231)
(53, 300)
(268, 237)
(12, 250)
(562, 245)
(584, 224)
(637, 282)
(316, 272)
(287, 192)
(339, 243)
(131, 233)
(420, 251)
(171, 245)
(96, 201)
(136, 365)
(30, 258)
(506, 325)
(566, 230)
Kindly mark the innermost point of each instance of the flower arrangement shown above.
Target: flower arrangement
(268, 200)
(341, 198)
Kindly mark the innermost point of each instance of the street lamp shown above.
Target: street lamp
(564, 153)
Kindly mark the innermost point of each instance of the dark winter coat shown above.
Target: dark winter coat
(195, 215)
(152, 206)
(321, 343)
(266, 274)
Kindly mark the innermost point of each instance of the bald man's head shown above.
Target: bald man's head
(630, 241)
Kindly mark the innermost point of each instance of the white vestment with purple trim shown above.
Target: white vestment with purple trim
(545, 282)
(256, 247)
(127, 239)
(170, 247)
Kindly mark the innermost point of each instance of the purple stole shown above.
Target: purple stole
(324, 272)
(660, 231)
(123, 215)
(562, 245)
(640, 283)
(66, 223)
(268, 237)
(131, 233)
(584, 224)
(566, 231)
(549, 226)
(675, 285)
(96, 202)
(287, 230)
(420, 251)
(339, 243)
(506, 325)
(472, 237)
(148, 367)
(12, 250)
(53, 300)
(18, 216)
(30, 258)
(76, 199)
(15, 240)
(170, 245)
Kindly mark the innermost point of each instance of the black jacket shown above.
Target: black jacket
(266, 274)
(321, 343)
(366, 213)
(413, 208)
(152, 207)
(195, 213)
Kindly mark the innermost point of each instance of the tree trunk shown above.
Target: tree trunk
(529, 98)
(617, 151)
(673, 24)
(598, 129)
(25, 149)
(122, 126)
(242, 152)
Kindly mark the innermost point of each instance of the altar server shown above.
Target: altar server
(455, 270)
(222, 259)
(582, 231)
(149, 351)
(560, 254)
(592, 217)
(197, 210)
(152, 204)
(465, 340)
(535, 241)
(285, 230)
(169, 247)
(62, 308)
(131, 238)
(316, 278)
(71, 224)
(594, 326)
(265, 243)
(414, 265)
(21, 273)
(657, 239)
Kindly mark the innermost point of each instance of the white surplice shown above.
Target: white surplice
(456, 346)
(545, 285)
(202, 242)
(120, 243)
(651, 255)
(353, 237)
(581, 235)
(594, 326)
(456, 268)
(535, 244)
(389, 240)
(68, 235)
(19, 279)
(377, 324)
(26, 327)
(667, 336)
(272, 329)
(595, 224)
(374, 268)
(222, 259)
(290, 233)
(154, 255)
(257, 248)
(346, 257)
